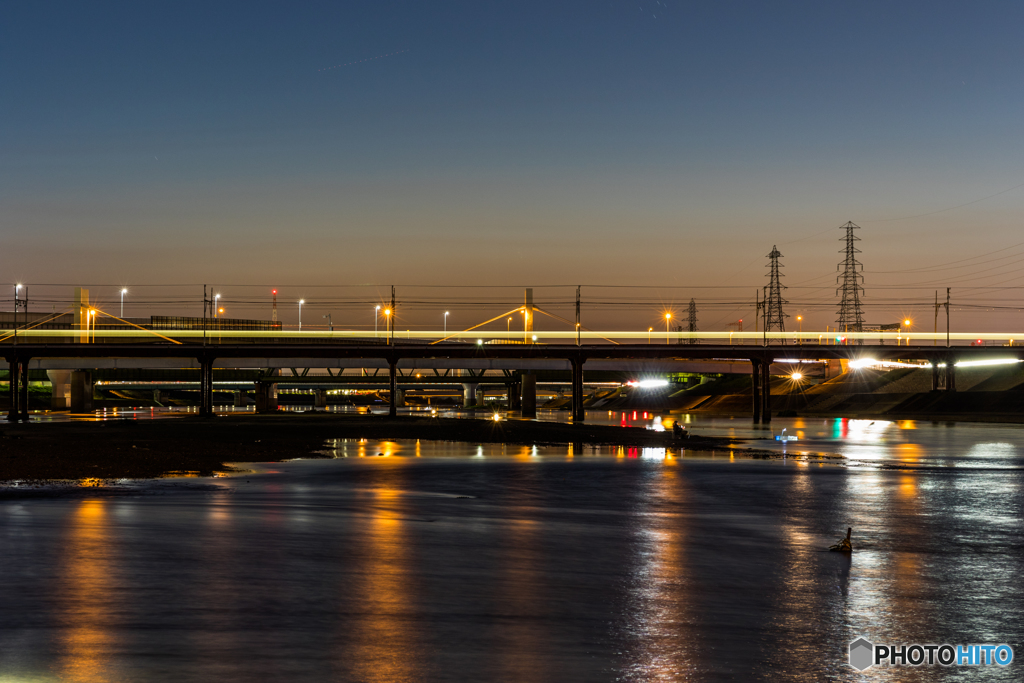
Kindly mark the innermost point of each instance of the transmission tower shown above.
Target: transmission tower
(774, 318)
(851, 318)
(692, 320)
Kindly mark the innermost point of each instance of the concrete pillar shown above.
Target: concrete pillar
(81, 391)
(528, 405)
(15, 390)
(157, 397)
(766, 391)
(206, 387)
(469, 394)
(480, 395)
(935, 375)
(60, 389)
(239, 399)
(393, 396)
(578, 413)
(755, 388)
(400, 397)
(514, 398)
(950, 374)
(266, 397)
(23, 403)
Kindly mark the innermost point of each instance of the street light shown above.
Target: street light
(301, 301)
(215, 298)
(446, 324)
(649, 330)
(800, 319)
(376, 317)
(668, 316)
(906, 324)
(123, 292)
(387, 318)
(508, 326)
(330, 323)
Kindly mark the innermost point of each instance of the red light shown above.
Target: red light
(275, 291)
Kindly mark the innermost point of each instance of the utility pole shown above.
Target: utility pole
(774, 318)
(935, 341)
(204, 315)
(692, 320)
(851, 317)
(391, 318)
(577, 315)
(273, 312)
(947, 317)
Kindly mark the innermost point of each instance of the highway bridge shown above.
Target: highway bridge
(248, 349)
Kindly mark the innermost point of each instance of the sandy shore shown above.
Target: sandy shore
(138, 449)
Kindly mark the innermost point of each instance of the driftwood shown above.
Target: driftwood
(844, 545)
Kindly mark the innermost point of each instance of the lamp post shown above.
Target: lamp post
(446, 324)
(376, 316)
(301, 301)
(215, 299)
(649, 330)
(330, 323)
(800, 319)
(906, 324)
(668, 316)
(387, 321)
(123, 292)
(508, 326)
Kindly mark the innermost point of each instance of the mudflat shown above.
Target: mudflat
(139, 449)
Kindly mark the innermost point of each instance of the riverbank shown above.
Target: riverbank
(141, 449)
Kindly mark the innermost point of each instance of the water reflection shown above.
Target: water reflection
(661, 626)
(87, 588)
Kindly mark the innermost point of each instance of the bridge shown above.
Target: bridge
(268, 349)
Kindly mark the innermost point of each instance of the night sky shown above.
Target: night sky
(518, 143)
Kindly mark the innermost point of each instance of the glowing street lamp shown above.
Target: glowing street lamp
(387, 318)
(508, 326)
(301, 301)
(668, 317)
(446, 323)
(215, 299)
(649, 330)
(123, 292)
(800, 319)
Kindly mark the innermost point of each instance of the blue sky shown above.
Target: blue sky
(509, 143)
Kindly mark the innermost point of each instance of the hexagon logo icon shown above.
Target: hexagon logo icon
(860, 654)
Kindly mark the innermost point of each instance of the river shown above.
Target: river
(445, 561)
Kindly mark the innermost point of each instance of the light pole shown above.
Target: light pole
(508, 327)
(301, 301)
(330, 323)
(906, 324)
(668, 316)
(376, 316)
(123, 292)
(649, 330)
(800, 319)
(446, 324)
(215, 298)
(387, 322)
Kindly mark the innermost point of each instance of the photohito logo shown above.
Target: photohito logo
(864, 654)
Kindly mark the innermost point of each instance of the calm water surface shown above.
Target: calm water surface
(406, 561)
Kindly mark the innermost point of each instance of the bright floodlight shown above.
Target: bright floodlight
(479, 342)
(302, 301)
(667, 316)
(649, 383)
(797, 375)
(387, 311)
(906, 323)
(124, 291)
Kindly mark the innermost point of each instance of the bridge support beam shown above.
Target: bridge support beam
(60, 389)
(266, 397)
(81, 391)
(469, 398)
(766, 391)
(393, 395)
(239, 399)
(578, 413)
(514, 398)
(755, 388)
(951, 374)
(528, 402)
(206, 387)
(14, 377)
(319, 398)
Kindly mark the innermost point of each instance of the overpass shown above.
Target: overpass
(245, 349)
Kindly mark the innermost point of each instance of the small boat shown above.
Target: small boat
(785, 437)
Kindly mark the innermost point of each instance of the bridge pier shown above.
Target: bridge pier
(81, 391)
(14, 379)
(469, 398)
(766, 391)
(528, 402)
(60, 389)
(578, 413)
(266, 397)
(239, 399)
(755, 388)
(393, 396)
(206, 387)
(514, 398)
(951, 374)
